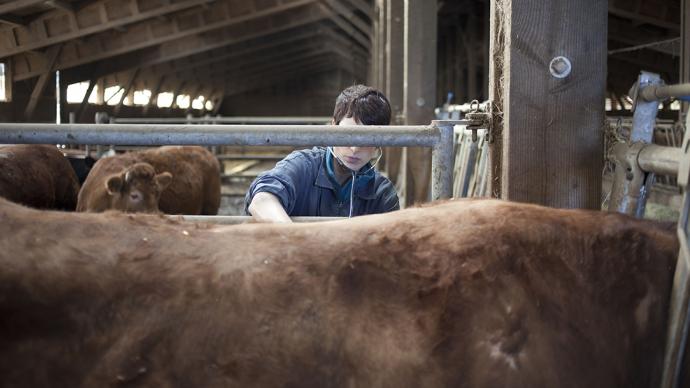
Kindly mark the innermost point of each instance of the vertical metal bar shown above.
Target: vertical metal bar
(676, 337)
(442, 162)
(644, 117)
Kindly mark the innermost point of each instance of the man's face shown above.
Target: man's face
(354, 157)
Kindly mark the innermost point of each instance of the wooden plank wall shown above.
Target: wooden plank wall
(549, 145)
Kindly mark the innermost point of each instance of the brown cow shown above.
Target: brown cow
(475, 293)
(174, 180)
(38, 176)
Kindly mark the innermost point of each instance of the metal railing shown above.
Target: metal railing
(438, 135)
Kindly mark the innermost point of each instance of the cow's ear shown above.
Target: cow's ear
(113, 184)
(163, 180)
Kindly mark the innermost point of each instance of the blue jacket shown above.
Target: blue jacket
(305, 188)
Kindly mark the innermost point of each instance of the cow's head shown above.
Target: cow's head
(137, 189)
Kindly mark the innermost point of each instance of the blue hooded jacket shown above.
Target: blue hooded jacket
(305, 188)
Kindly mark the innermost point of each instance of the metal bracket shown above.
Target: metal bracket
(480, 120)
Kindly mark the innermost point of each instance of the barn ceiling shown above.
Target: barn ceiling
(232, 46)
(227, 46)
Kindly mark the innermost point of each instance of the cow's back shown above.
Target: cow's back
(38, 176)
(467, 294)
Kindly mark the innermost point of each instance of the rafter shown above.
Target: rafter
(90, 19)
(18, 5)
(233, 53)
(138, 36)
(208, 42)
(637, 16)
(347, 13)
(347, 27)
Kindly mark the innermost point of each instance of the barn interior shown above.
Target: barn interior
(547, 91)
(64, 61)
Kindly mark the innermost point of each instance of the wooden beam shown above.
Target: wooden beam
(205, 43)
(685, 49)
(419, 92)
(127, 87)
(11, 20)
(395, 65)
(13, 6)
(50, 58)
(639, 17)
(549, 138)
(59, 4)
(106, 45)
(85, 100)
(98, 10)
(355, 34)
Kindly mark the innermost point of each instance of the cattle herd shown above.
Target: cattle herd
(463, 293)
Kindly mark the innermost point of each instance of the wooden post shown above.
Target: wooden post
(394, 81)
(51, 56)
(684, 49)
(419, 90)
(85, 101)
(547, 147)
(127, 88)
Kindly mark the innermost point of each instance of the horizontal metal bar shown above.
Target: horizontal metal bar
(257, 135)
(659, 159)
(232, 220)
(223, 120)
(661, 92)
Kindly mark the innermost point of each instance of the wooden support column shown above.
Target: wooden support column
(100, 92)
(547, 147)
(394, 81)
(419, 91)
(684, 48)
(153, 100)
(127, 88)
(85, 100)
(472, 52)
(51, 56)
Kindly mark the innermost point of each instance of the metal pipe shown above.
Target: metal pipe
(266, 135)
(661, 92)
(233, 220)
(224, 120)
(659, 159)
(442, 155)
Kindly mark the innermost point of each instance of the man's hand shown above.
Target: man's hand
(266, 207)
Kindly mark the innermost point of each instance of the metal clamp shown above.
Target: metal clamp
(479, 120)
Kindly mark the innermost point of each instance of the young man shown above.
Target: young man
(332, 181)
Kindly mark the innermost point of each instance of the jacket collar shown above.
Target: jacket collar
(364, 183)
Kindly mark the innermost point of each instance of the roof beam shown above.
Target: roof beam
(350, 16)
(636, 16)
(233, 52)
(347, 27)
(143, 35)
(207, 42)
(29, 39)
(18, 5)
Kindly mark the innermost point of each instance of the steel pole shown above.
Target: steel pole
(266, 135)
(224, 120)
(659, 159)
(657, 92)
(442, 160)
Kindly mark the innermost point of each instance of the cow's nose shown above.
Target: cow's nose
(135, 197)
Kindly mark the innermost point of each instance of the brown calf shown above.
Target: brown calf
(173, 180)
(38, 176)
(476, 293)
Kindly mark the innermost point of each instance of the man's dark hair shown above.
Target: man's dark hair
(366, 104)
